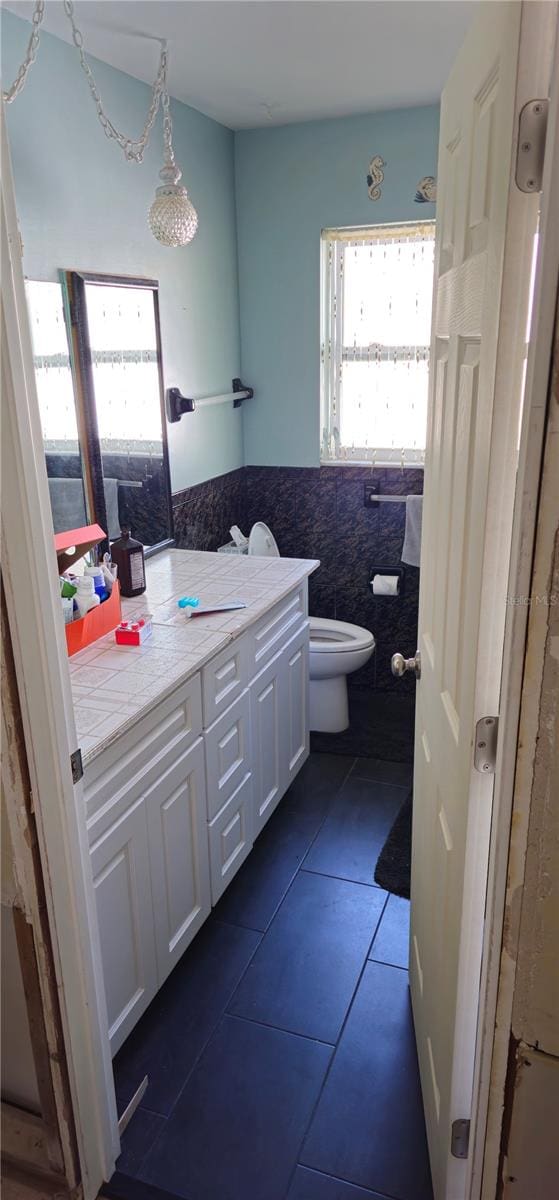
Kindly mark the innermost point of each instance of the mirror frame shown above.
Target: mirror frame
(75, 314)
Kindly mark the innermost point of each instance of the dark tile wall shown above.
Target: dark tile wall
(204, 514)
(319, 513)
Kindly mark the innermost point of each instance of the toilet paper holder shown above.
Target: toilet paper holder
(384, 570)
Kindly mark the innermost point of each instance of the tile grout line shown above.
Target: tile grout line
(298, 868)
(383, 782)
(339, 1179)
(342, 878)
(379, 962)
(332, 1060)
(307, 1037)
(200, 1053)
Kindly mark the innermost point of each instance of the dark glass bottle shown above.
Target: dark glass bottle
(128, 554)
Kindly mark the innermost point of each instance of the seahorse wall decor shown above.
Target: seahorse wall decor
(375, 177)
(426, 190)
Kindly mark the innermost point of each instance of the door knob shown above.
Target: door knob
(400, 665)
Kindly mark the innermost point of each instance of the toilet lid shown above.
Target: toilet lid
(262, 541)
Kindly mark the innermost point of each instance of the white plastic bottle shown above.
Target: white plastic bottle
(97, 576)
(86, 596)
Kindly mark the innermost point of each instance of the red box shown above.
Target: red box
(104, 617)
(133, 633)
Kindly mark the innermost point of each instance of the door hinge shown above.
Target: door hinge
(485, 753)
(530, 151)
(76, 765)
(460, 1138)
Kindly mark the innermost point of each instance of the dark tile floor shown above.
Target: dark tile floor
(280, 1052)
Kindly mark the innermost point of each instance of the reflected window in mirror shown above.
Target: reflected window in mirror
(57, 408)
(109, 404)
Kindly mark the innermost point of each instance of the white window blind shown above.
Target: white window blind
(376, 319)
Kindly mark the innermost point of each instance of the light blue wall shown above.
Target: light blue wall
(292, 182)
(81, 205)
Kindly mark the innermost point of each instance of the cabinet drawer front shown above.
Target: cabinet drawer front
(274, 629)
(121, 881)
(231, 838)
(224, 678)
(269, 742)
(178, 853)
(123, 769)
(228, 754)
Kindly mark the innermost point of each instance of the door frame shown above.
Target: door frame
(511, 804)
(30, 580)
(42, 670)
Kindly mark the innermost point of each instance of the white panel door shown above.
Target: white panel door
(475, 389)
(179, 858)
(296, 657)
(268, 715)
(120, 865)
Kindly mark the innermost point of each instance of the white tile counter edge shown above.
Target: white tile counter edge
(113, 686)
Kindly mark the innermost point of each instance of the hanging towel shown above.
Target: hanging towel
(110, 488)
(67, 503)
(412, 538)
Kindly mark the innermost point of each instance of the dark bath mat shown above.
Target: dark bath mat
(393, 869)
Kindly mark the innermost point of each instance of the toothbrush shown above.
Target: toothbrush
(191, 610)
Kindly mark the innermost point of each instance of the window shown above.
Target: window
(376, 321)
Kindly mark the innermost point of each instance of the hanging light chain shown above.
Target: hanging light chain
(173, 219)
(133, 148)
(169, 154)
(32, 47)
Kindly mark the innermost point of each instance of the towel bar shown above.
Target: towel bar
(177, 404)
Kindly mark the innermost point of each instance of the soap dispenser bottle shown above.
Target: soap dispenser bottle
(128, 554)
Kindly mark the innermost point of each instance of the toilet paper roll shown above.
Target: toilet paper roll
(386, 585)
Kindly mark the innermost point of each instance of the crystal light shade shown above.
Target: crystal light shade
(173, 220)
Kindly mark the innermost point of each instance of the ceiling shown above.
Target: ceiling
(258, 62)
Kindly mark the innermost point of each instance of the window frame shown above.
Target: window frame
(332, 356)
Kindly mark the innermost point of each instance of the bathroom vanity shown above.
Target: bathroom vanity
(189, 742)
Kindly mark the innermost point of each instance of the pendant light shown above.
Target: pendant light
(173, 220)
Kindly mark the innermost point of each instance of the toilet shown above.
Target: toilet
(336, 650)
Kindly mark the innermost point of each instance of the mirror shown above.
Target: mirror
(97, 353)
(57, 408)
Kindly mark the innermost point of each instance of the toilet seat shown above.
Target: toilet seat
(337, 637)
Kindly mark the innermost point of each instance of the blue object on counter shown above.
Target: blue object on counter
(188, 602)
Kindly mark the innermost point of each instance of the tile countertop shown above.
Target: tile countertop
(113, 685)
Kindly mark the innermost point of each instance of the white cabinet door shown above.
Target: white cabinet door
(296, 656)
(279, 702)
(231, 837)
(269, 742)
(178, 853)
(120, 865)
